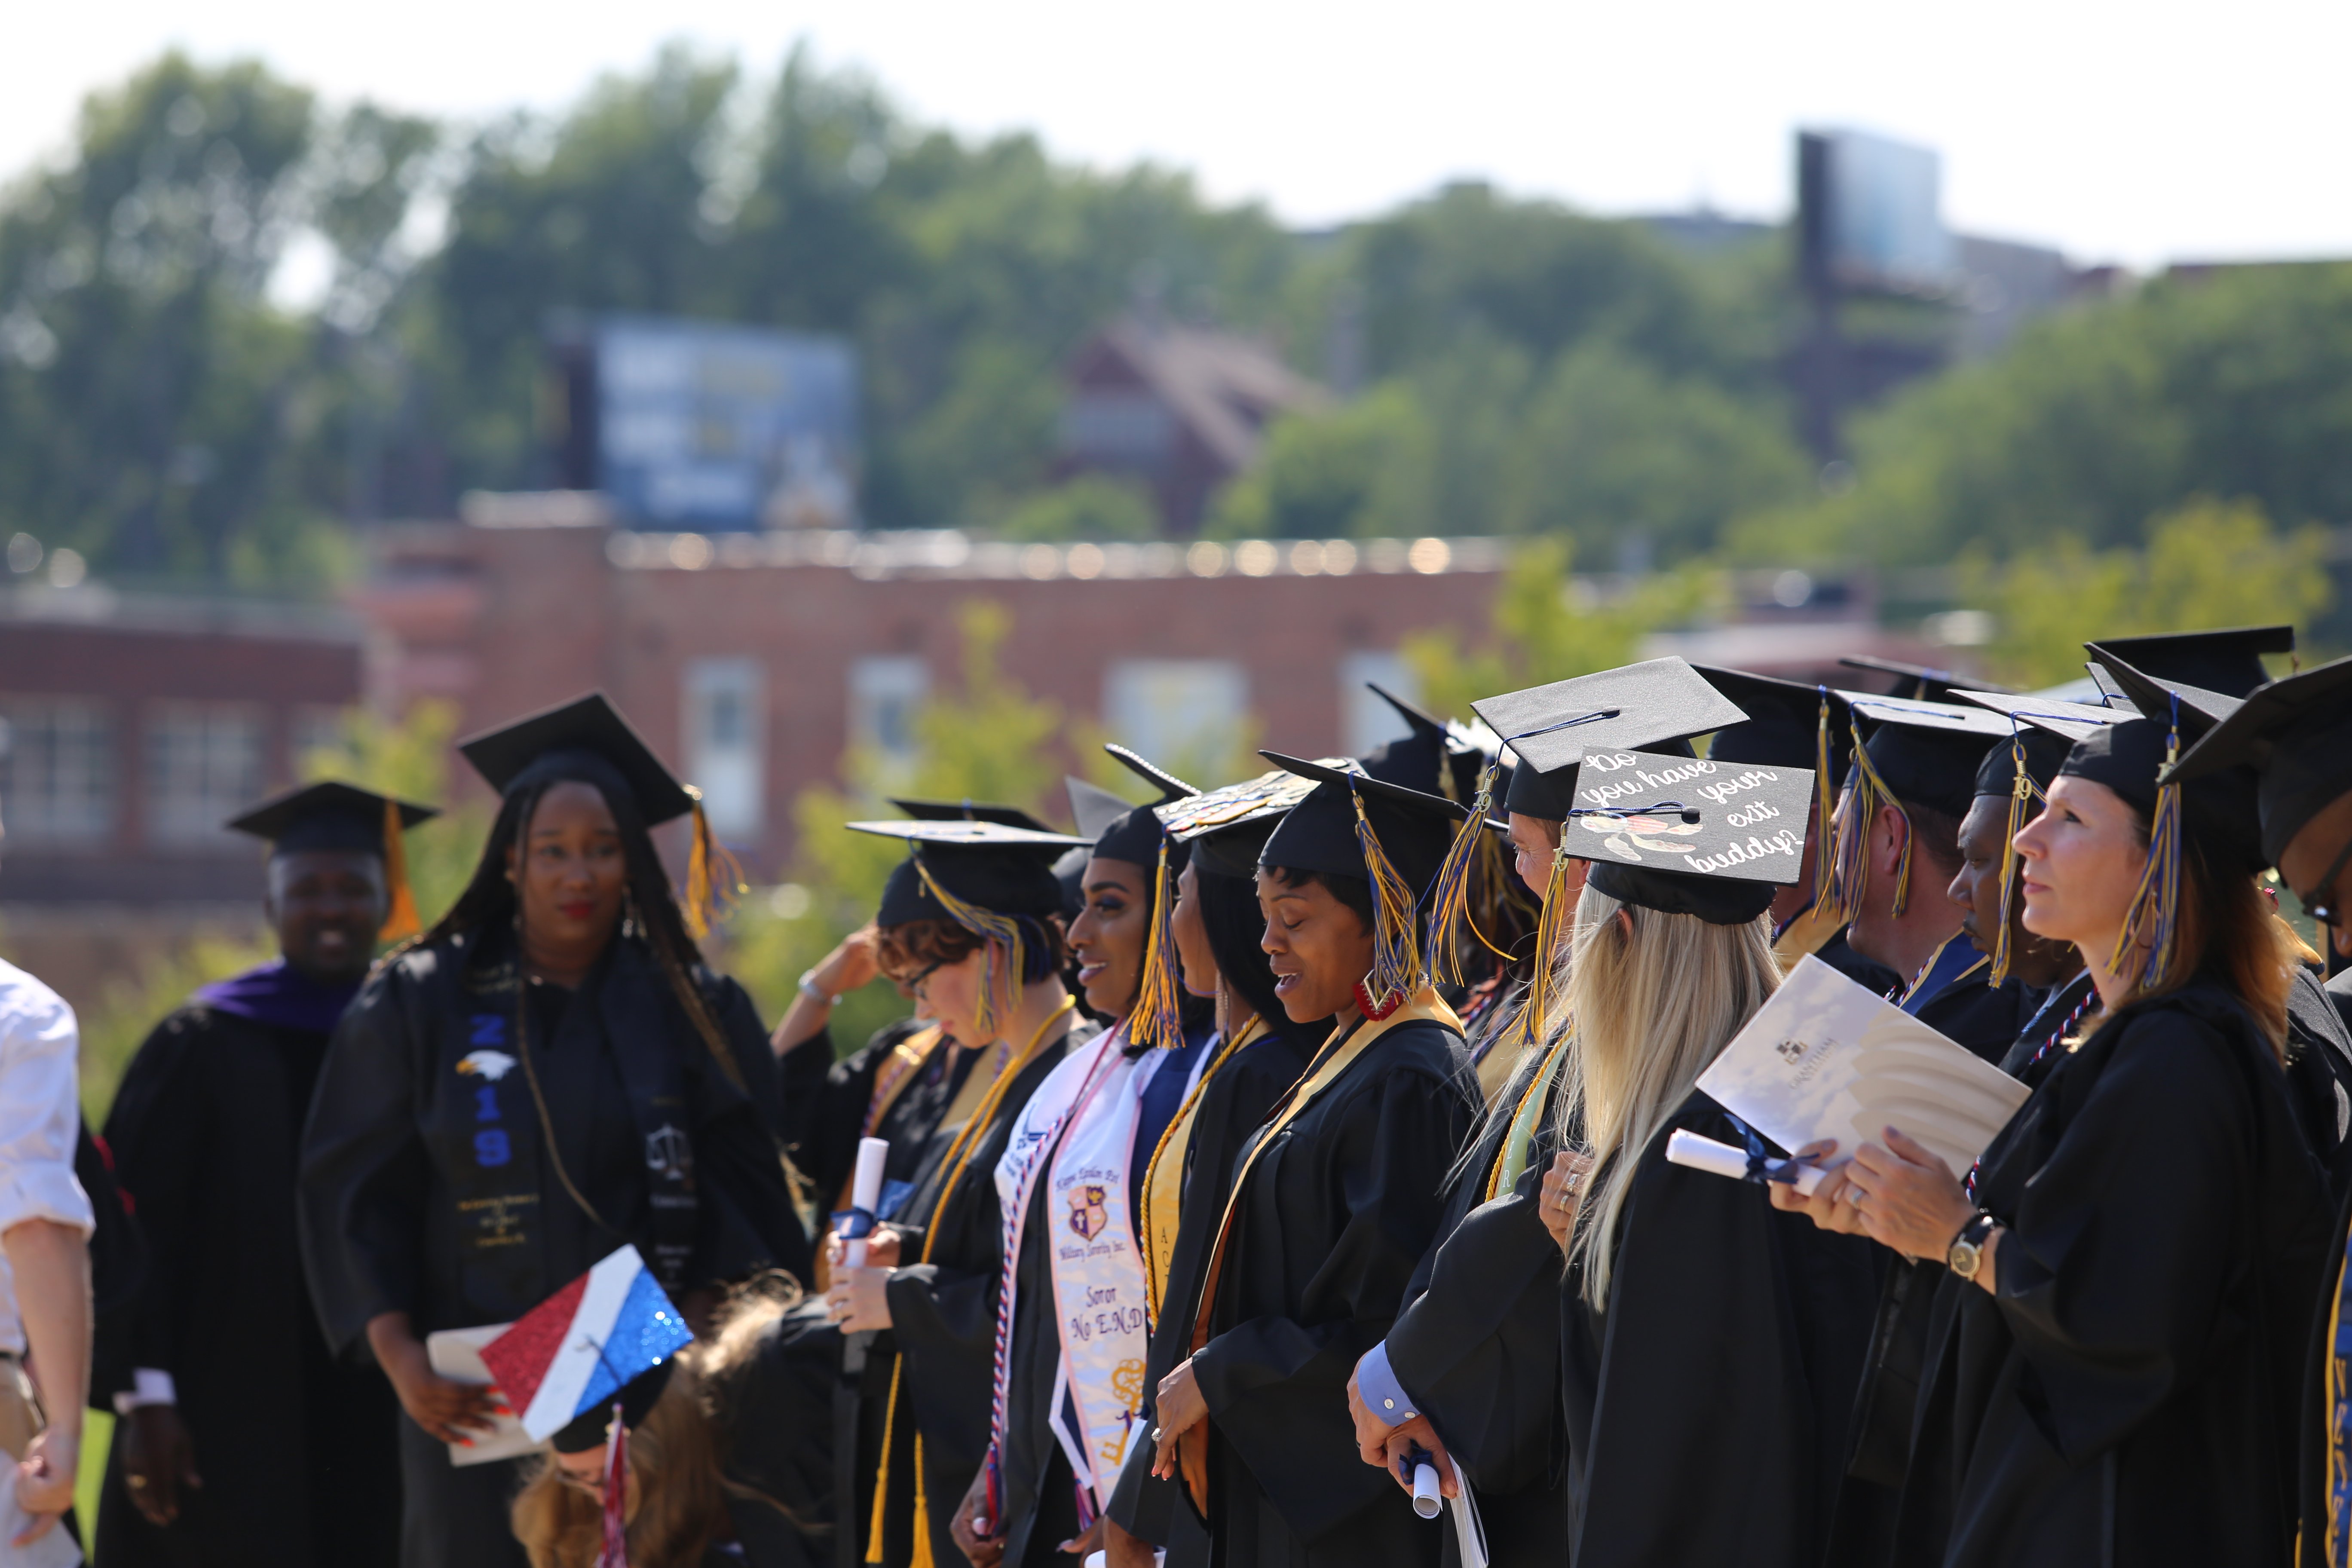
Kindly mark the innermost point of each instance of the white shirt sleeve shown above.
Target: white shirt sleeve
(40, 1106)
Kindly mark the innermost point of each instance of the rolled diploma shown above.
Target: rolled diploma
(1427, 1497)
(1687, 1148)
(864, 1192)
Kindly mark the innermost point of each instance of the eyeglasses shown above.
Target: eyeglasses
(915, 981)
(2321, 906)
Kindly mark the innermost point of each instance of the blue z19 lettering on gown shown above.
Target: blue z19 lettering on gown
(489, 1029)
(491, 1147)
(486, 1103)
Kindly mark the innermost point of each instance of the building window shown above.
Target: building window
(57, 772)
(309, 732)
(203, 766)
(725, 734)
(885, 696)
(1118, 428)
(1189, 715)
(1365, 720)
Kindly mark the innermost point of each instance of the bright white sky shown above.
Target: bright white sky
(2140, 132)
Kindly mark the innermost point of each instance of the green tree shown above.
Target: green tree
(2208, 563)
(1334, 475)
(1091, 506)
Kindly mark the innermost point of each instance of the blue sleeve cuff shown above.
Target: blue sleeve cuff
(1383, 1395)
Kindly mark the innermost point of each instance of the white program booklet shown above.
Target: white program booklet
(1828, 1058)
(457, 1354)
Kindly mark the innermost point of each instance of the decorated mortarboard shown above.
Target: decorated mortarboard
(2295, 734)
(1353, 825)
(1225, 828)
(1436, 756)
(1919, 683)
(981, 875)
(587, 740)
(2228, 662)
(1907, 752)
(335, 815)
(1551, 727)
(1688, 835)
(571, 1358)
(972, 811)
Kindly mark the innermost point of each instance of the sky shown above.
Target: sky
(2137, 134)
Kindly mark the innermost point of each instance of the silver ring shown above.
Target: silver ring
(1158, 1435)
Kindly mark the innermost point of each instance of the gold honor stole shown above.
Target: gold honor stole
(1805, 934)
(1163, 1202)
(1511, 1161)
(1192, 1448)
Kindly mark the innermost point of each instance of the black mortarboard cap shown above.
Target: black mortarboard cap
(2295, 734)
(1927, 753)
(1223, 829)
(1318, 834)
(1690, 836)
(1919, 683)
(2045, 744)
(534, 748)
(1134, 836)
(1436, 756)
(971, 811)
(2227, 661)
(331, 815)
(2218, 808)
(1093, 808)
(638, 1398)
(1003, 870)
(1551, 727)
(1783, 725)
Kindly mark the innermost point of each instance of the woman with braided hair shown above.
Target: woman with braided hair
(547, 1075)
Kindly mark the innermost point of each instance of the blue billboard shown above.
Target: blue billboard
(1882, 227)
(706, 427)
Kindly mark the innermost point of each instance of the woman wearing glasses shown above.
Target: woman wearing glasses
(2111, 1360)
(970, 924)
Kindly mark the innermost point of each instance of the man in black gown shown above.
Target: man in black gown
(244, 1440)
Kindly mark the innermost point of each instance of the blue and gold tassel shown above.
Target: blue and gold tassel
(1549, 926)
(2022, 792)
(1449, 895)
(1158, 1019)
(1003, 935)
(1849, 865)
(1396, 971)
(2153, 917)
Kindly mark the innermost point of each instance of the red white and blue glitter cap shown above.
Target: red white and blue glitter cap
(579, 1348)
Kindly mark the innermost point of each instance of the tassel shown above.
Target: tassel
(714, 877)
(2153, 915)
(1532, 1010)
(615, 1553)
(1396, 966)
(400, 919)
(1003, 934)
(1449, 895)
(1825, 804)
(1849, 867)
(1158, 1019)
(919, 1555)
(2022, 790)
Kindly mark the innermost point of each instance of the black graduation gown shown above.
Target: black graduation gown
(1233, 1107)
(2319, 1075)
(2316, 1418)
(2129, 1398)
(1479, 1343)
(425, 1186)
(1334, 1217)
(781, 1484)
(1707, 1408)
(295, 1447)
(1840, 955)
(824, 1114)
(943, 1316)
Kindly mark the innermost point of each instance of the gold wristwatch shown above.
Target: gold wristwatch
(1966, 1254)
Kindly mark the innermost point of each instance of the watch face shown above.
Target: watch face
(1962, 1260)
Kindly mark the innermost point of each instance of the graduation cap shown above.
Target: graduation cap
(982, 876)
(1919, 683)
(976, 811)
(2228, 662)
(1352, 824)
(1789, 725)
(2020, 771)
(2296, 735)
(334, 815)
(573, 1356)
(1689, 836)
(1550, 728)
(588, 741)
(1135, 837)
(1223, 829)
(1915, 754)
(1435, 756)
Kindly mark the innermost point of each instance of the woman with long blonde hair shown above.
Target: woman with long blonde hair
(1705, 1337)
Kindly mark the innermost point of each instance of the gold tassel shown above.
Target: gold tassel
(1158, 1019)
(1849, 867)
(1396, 964)
(2022, 790)
(400, 919)
(1825, 805)
(1449, 895)
(1532, 1020)
(2153, 915)
(1003, 933)
(714, 877)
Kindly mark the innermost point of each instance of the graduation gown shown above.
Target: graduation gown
(1707, 1408)
(2319, 1075)
(295, 1445)
(1478, 1343)
(2129, 1396)
(1840, 955)
(427, 1186)
(1232, 1106)
(1330, 1219)
(943, 1322)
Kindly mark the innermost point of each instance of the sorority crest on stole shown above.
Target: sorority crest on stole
(1087, 1216)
